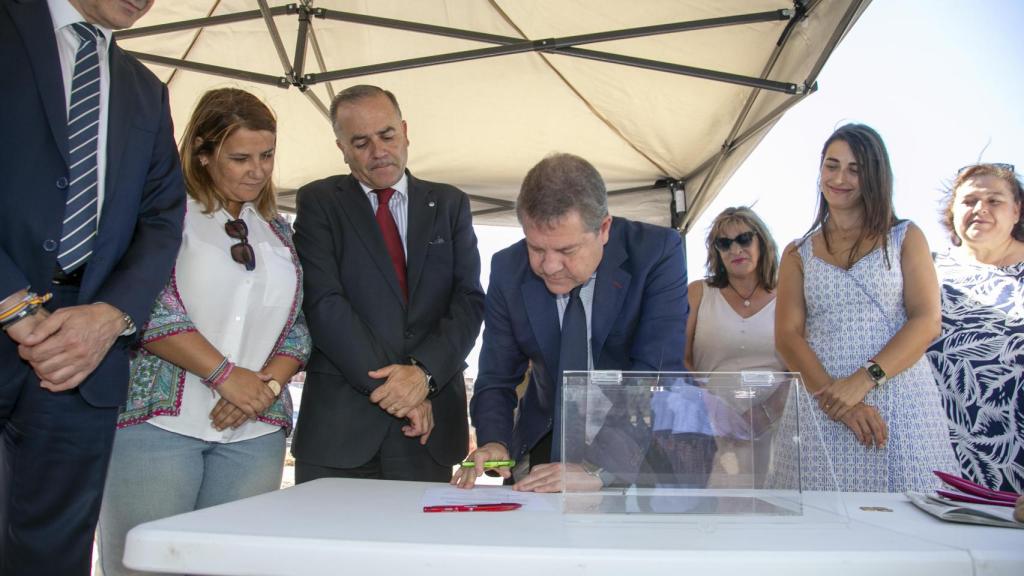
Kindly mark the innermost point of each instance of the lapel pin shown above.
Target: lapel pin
(431, 203)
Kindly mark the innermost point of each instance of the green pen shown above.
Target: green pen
(491, 463)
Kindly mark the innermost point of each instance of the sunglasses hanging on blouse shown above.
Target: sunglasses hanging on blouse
(241, 252)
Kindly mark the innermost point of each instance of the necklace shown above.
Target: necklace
(746, 299)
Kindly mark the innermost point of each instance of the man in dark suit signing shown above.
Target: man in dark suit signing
(394, 305)
(581, 291)
(91, 206)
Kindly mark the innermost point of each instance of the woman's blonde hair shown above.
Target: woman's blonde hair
(218, 115)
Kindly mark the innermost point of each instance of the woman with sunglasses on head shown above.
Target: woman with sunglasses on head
(731, 328)
(858, 306)
(977, 360)
(208, 409)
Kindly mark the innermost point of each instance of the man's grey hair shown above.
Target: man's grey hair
(356, 93)
(559, 184)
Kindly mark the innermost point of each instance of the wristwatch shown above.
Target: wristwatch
(431, 385)
(875, 372)
(129, 325)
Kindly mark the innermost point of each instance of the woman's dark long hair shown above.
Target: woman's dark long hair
(874, 173)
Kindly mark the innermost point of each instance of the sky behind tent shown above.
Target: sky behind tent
(939, 79)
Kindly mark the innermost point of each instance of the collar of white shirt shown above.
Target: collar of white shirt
(64, 14)
(401, 187)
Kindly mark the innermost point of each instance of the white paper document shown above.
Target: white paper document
(452, 496)
(964, 512)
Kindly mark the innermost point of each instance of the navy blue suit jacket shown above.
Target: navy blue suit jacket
(638, 322)
(144, 199)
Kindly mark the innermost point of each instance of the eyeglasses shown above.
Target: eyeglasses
(744, 240)
(241, 252)
(996, 165)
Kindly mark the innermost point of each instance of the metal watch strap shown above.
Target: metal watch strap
(431, 385)
(129, 324)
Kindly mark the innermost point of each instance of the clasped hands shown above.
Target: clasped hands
(65, 347)
(243, 396)
(843, 401)
(404, 395)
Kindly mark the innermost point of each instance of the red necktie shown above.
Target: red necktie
(392, 240)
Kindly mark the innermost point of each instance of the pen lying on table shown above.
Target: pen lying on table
(499, 507)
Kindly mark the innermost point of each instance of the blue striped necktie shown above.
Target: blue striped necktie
(81, 209)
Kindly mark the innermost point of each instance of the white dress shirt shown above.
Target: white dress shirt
(241, 313)
(64, 15)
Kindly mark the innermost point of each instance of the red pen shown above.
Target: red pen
(499, 507)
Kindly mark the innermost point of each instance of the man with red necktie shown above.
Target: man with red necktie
(394, 305)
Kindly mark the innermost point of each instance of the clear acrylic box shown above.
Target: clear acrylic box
(684, 443)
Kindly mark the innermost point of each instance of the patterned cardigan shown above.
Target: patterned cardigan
(155, 386)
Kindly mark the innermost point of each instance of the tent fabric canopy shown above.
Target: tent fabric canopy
(665, 97)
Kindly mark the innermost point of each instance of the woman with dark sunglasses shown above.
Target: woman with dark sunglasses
(731, 328)
(977, 360)
(732, 310)
(208, 407)
(858, 306)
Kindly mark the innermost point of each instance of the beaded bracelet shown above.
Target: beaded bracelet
(219, 374)
(17, 306)
(28, 306)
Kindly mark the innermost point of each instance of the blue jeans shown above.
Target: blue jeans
(155, 474)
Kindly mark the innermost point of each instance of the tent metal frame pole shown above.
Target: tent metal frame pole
(565, 46)
(749, 81)
(802, 8)
(320, 62)
(506, 45)
(837, 34)
(301, 38)
(713, 163)
(626, 33)
(507, 204)
(275, 37)
(317, 103)
(730, 144)
(254, 77)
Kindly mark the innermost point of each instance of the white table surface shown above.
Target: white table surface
(375, 527)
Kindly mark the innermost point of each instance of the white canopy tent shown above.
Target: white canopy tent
(666, 97)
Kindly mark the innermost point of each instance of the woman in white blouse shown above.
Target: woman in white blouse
(208, 409)
(731, 328)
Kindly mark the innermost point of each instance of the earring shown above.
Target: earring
(203, 162)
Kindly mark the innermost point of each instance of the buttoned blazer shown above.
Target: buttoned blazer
(144, 199)
(638, 322)
(360, 322)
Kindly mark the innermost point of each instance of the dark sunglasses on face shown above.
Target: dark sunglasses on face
(241, 252)
(744, 240)
(997, 165)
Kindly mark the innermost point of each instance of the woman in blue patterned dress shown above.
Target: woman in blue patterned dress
(857, 306)
(979, 359)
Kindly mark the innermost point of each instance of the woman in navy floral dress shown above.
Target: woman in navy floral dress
(979, 358)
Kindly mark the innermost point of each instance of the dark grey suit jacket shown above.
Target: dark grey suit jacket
(359, 321)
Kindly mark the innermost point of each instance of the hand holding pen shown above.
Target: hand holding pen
(493, 453)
